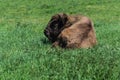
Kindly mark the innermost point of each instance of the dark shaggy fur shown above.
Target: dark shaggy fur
(71, 31)
(55, 26)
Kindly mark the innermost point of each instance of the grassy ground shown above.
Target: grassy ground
(25, 53)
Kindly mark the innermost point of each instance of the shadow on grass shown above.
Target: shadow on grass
(45, 41)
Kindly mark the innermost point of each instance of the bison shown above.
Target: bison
(70, 31)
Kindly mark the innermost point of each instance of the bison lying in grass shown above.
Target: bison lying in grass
(69, 31)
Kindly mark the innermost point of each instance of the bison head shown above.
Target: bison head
(55, 26)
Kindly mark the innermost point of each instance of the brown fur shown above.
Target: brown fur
(76, 32)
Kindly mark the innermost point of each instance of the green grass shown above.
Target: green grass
(26, 54)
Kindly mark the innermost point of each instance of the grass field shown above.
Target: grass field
(25, 53)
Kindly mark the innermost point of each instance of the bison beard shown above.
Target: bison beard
(70, 31)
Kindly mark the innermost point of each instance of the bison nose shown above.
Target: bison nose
(46, 32)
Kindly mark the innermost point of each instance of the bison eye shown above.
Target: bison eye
(56, 25)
